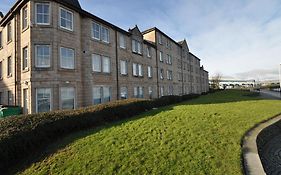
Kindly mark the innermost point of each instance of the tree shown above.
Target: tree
(215, 81)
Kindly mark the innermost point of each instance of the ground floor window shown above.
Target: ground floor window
(138, 92)
(101, 94)
(162, 91)
(43, 99)
(124, 92)
(67, 98)
(150, 92)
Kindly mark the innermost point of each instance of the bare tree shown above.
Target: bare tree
(215, 81)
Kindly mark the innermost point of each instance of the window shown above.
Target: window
(106, 64)
(96, 63)
(161, 56)
(148, 50)
(138, 92)
(170, 90)
(10, 98)
(43, 100)
(66, 19)
(24, 18)
(150, 92)
(140, 70)
(124, 92)
(162, 74)
(122, 41)
(97, 95)
(9, 32)
(106, 94)
(1, 44)
(96, 31)
(42, 56)
(162, 91)
(67, 96)
(66, 58)
(169, 75)
(137, 70)
(160, 39)
(9, 67)
(25, 58)
(180, 76)
(1, 70)
(149, 72)
(169, 59)
(101, 63)
(105, 34)
(136, 47)
(123, 67)
(101, 95)
(42, 13)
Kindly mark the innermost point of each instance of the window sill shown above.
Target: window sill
(101, 73)
(66, 30)
(10, 76)
(43, 25)
(25, 70)
(100, 41)
(67, 70)
(42, 68)
(8, 42)
(137, 53)
(124, 75)
(25, 29)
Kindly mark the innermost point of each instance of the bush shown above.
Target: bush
(28, 134)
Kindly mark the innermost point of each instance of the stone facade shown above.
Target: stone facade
(145, 75)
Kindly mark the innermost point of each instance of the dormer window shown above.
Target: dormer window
(136, 47)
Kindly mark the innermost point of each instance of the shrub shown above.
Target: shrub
(28, 134)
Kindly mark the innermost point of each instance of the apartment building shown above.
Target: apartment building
(55, 55)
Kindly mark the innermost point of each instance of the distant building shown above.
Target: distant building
(55, 55)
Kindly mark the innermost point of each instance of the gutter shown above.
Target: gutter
(117, 70)
(15, 62)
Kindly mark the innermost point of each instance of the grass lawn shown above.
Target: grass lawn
(201, 136)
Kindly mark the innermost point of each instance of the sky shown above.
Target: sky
(239, 39)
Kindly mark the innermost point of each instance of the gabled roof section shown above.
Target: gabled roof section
(136, 31)
(194, 56)
(183, 43)
(156, 29)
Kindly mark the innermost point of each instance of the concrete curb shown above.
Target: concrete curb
(251, 159)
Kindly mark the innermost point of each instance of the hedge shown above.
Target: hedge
(29, 134)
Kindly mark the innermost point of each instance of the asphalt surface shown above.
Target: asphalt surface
(270, 94)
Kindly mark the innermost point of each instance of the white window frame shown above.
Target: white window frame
(135, 69)
(161, 56)
(49, 14)
(148, 52)
(51, 98)
(102, 97)
(25, 60)
(103, 64)
(93, 31)
(160, 39)
(136, 47)
(162, 74)
(36, 59)
(105, 37)
(123, 70)
(67, 20)
(149, 71)
(122, 41)
(74, 97)
(9, 32)
(126, 92)
(140, 70)
(9, 66)
(72, 67)
(24, 18)
(100, 63)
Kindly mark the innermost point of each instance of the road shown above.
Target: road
(270, 94)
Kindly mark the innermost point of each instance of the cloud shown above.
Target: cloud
(259, 74)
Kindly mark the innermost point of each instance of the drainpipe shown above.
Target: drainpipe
(157, 68)
(117, 70)
(182, 88)
(15, 62)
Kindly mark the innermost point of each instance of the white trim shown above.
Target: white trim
(50, 51)
(50, 12)
(51, 98)
(72, 22)
(61, 58)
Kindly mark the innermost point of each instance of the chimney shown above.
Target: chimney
(1, 15)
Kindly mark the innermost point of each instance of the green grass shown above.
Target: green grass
(201, 136)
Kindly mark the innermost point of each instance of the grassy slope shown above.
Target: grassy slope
(190, 138)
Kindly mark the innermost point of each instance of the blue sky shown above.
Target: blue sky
(240, 39)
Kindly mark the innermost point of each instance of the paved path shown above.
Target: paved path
(270, 94)
(272, 156)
